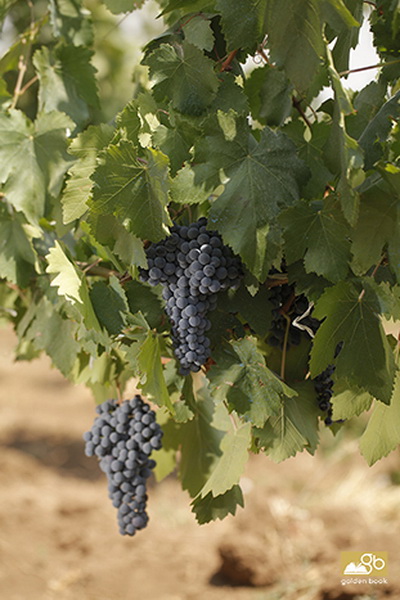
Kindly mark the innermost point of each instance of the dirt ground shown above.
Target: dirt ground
(58, 532)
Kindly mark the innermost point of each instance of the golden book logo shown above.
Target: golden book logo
(364, 563)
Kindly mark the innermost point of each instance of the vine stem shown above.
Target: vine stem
(297, 105)
(23, 60)
(377, 66)
(374, 272)
(227, 62)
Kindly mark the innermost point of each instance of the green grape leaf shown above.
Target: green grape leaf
(199, 33)
(176, 139)
(119, 6)
(71, 22)
(347, 26)
(128, 122)
(295, 38)
(210, 509)
(152, 380)
(377, 226)
(377, 130)
(55, 335)
(145, 299)
(350, 313)
(16, 253)
(320, 235)
(78, 188)
(230, 464)
(184, 190)
(182, 73)
(294, 429)
(366, 105)
(188, 6)
(264, 177)
(110, 304)
(242, 22)
(34, 160)
(382, 434)
(270, 95)
(71, 284)
(67, 81)
(343, 155)
(200, 440)
(241, 377)
(347, 403)
(310, 143)
(133, 189)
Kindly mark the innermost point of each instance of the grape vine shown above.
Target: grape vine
(209, 228)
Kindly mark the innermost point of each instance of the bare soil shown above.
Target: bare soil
(59, 538)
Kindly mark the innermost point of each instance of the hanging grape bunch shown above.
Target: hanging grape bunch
(123, 437)
(193, 265)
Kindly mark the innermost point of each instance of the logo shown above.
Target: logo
(363, 564)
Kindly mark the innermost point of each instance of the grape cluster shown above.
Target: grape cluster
(123, 437)
(193, 265)
(283, 299)
(323, 385)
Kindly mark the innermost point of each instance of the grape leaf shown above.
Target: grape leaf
(78, 188)
(382, 434)
(55, 335)
(110, 304)
(209, 508)
(347, 403)
(133, 189)
(295, 38)
(71, 22)
(311, 151)
(377, 130)
(270, 95)
(320, 235)
(347, 26)
(350, 312)
(143, 298)
(200, 444)
(188, 5)
(377, 226)
(16, 253)
(199, 33)
(67, 81)
(119, 6)
(184, 75)
(34, 160)
(294, 429)
(71, 284)
(264, 177)
(343, 155)
(152, 380)
(230, 464)
(241, 377)
(242, 22)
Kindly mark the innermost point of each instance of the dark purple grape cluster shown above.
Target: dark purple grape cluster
(281, 296)
(122, 437)
(323, 385)
(193, 265)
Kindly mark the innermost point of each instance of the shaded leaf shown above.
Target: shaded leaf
(350, 313)
(210, 509)
(241, 377)
(182, 74)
